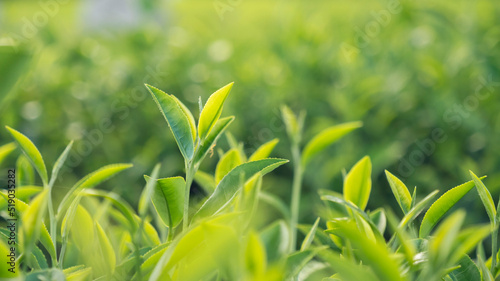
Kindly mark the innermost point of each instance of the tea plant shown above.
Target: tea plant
(94, 234)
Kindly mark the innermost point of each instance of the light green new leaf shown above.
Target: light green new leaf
(325, 138)
(290, 121)
(212, 110)
(415, 211)
(5, 150)
(358, 183)
(4, 266)
(59, 163)
(81, 228)
(467, 240)
(230, 184)
(31, 152)
(52, 274)
(443, 239)
(468, 270)
(189, 115)
(210, 141)
(255, 255)
(486, 198)
(105, 249)
(90, 181)
(400, 191)
(264, 150)
(168, 199)
(441, 206)
(148, 191)
(32, 218)
(310, 236)
(177, 119)
(79, 275)
(25, 175)
(228, 161)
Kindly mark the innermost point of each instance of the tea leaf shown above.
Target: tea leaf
(79, 275)
(52, 274)
(229, 185)
(444, 237)
(90, 181)
(293, 124)
(298, 260)
(148, 191)
(441, 206)
(255, 255)
(104, 249)
(168, 199)
(379, 219)
(415, 211)
(468, 270)
(210, 141)
(276, 239)
(310, 236)
(212, 110)
(59, 163)
(5, 150)
(189, 115)
(24, 172)
(81, 228)
(205, 181)
(400, 191)
(31, 152)
(467, 239)
(264, 150)
(32, 218)
(4, 266)
(358, 183)
(228, 161)
(486, 198)
(325, 138)
(178, 121)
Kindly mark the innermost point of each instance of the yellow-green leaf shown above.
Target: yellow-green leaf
(177, 119)
(212, 110)
(32, 218)
(59, 163)
(5, 150)
(310, 236)
(264, 150)
(486, 198)
(228, 161)
(31, 152)
(210, 141)
(325, 138)
(105, 250)
(358, 183)
(400, 191)
(255, 255)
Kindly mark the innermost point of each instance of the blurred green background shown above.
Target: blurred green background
(423, 76)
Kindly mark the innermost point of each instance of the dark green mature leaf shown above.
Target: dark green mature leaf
(486, 198)
(230, 184)
(212, 110)
(441, 206)
(210, 141)
(168, 199)
(177, 119)
(325, 138)
(400, 191)
(31, 152)
(90, 181)
(468, 270)
(358, 183)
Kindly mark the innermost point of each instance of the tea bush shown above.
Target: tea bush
(94, 234)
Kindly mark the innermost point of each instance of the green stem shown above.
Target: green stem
(190, 171)
(296, 188)
(494, 250)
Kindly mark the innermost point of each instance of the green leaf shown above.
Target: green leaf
(293, 124)
(31, 152)
(52, 274)
(468, 270)
(358, 183)
(32, 219)
(443, 239)
(275, 202)
(467, 240)
(81, 228)
(400, 191)
(228, 161)
(178, 121)
(212, 110)
(148, 191)
(325, 138)
(276, 239)
(310, 236)
(24, 172)
(206, 181)
(4, 266)
(298, 260)
(441, 206)
(90, 181)
(210, 141)
(5, 150)
(105, 252)
(168, 199)
(415, 211)
(255, 255)
(230, 184)
(59, 163)
(264, 150)
(189, 115)
(79, 275)
(379, 219)
(486, 198)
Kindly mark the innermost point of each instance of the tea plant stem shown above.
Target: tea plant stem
(494, 249)
(190, 171)
(296, 187)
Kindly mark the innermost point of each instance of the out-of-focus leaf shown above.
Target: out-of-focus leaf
(104, 250)
(400, 191)
(25, 175)
(32, 218)
(417, 209)
(358, 183)
(212, 110)
(211, 140)
(310, 236)
(276, 240)
(255, 255)
(441, 206)
(31, 153)
(177, 120)
(4, 266)
(229, 161)
(325, 138)
(52, 274)
(468, 270)
(275, 202)
(296, 261)
(264, 150)
(5, 150)
(440, 245)
(148, 191)
(486, 198)
(467, 240)
(81, 228)
(206, 181)
(59, 163)
(168, 199)
(229, 185)
(378, 218)
(83, 274)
